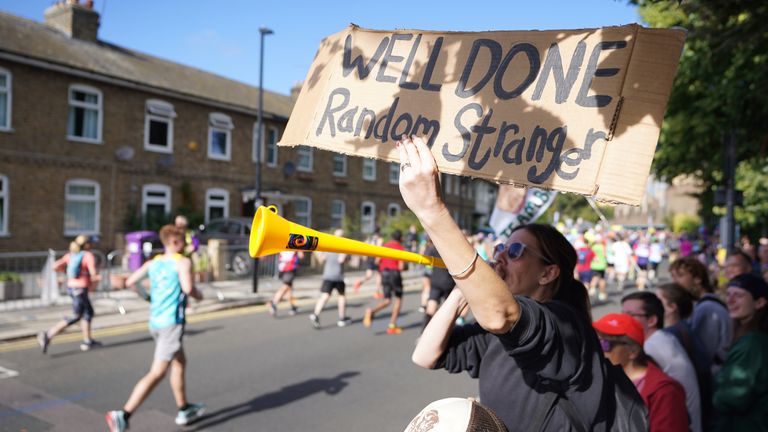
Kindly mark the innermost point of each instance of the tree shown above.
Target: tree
(721, 87)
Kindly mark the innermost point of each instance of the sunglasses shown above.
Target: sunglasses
(607, 345)
(515, 250)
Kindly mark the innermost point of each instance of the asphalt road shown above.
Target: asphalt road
(253, 371)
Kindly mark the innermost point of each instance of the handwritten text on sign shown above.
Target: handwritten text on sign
(535, 108)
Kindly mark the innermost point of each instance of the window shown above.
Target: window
(302, 211)
(84, 122)
(394, 172)
(272, 136)
(367, 217)
(337, 213)
(5, 99)
(340, 165)
(158, 126)
(219, 136)
(4, 205)
(216, 204)
(305, 155)
(155, 203)
(393, 210)
(369, 169)
(81, 207)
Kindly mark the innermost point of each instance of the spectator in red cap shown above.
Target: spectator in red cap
(622, 338)
(741, 387)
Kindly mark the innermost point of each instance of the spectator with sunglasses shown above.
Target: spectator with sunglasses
(621, 339)
(532, 341)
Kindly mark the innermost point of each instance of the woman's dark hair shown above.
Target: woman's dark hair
(557, 250)
(677, 295)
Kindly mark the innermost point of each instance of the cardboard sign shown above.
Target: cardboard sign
(572, 110)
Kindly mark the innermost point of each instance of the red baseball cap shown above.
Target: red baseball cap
(619, 324)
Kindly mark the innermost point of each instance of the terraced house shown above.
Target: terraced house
(99, 139)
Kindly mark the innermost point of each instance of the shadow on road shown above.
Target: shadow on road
(276, 399)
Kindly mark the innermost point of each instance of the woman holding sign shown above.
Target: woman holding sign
(533, 343)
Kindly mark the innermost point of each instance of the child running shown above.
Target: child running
(170, 277)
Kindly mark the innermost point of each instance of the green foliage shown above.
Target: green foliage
(403, 222)
(721, 88)
(9, 277)
(685, 223)
(187, 207)
(574, 206)
(351, 226)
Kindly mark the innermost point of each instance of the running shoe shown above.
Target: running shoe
(368, 318)
(422, 309)
(393, 329)
(315, 321)
(43, 340)
(602, 296)
(294, 310)
(116, 421)
(378, 295)
(192, 413)
(87, 345)
(344, 322)
(272, 308)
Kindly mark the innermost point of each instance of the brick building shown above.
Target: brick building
(99, 139)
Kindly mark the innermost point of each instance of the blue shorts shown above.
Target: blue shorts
(585, 276)
(81, 305)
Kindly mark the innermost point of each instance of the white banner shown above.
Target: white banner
(517, 206)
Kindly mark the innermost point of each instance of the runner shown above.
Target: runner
(170, 277)
(333, 279)
(392, 282)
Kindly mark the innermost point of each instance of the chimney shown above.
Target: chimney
(295, 90)
(78, 21)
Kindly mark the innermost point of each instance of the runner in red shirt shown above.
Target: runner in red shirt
(392, 283)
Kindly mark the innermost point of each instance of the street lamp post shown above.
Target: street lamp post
(263, 31)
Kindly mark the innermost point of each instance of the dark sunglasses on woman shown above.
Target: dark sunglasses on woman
(515, 251)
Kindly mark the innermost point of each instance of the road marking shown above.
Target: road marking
(7, 373)
(31, 342)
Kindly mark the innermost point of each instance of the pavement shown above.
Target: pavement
(22, 319)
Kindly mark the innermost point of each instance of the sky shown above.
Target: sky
(222, 36)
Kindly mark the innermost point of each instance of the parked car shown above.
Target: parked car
(236, 231)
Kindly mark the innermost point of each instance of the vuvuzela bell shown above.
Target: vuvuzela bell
(271, 234)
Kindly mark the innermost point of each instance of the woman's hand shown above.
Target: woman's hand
(419, 179)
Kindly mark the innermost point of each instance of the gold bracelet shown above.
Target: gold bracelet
(471, 263)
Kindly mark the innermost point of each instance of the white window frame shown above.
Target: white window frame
(95, 199)
(162, 112)
(310, 156)
(218, 122)
(393, 210)
(5, 198)
(216, 197)
(98, 106)
(370, 163)
(147, 200)
(8, 91)
(338, 216)
(338, 157)
(394, 173)
(303, 218)
(367, 223)
(269, 137)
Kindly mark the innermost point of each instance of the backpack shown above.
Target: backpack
(630, 412)
(74, 266)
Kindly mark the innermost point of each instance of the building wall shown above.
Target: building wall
(38, 159)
